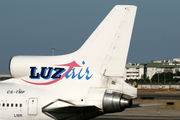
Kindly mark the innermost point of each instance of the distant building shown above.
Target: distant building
(134, 71)
(4, 75)
(160, 66)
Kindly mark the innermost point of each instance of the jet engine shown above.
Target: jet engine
(115, 102)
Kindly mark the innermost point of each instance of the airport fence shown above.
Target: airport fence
(158, 86)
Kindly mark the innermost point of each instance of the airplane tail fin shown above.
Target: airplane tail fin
(107, 48)
(104, 52)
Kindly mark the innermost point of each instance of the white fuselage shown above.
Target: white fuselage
(21, 101)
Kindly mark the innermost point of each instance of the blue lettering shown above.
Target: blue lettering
(72, 74)
(79, 76)
(88, 77)
(44, 74)
(67, 74)
(58, 73)
(33, 71)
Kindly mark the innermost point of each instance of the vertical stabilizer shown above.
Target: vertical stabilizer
(107, 48)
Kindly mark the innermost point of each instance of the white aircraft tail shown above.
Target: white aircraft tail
(107, 48)
(104, 52)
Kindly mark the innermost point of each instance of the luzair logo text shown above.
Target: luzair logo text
(58, 73)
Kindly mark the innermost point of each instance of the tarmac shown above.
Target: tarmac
(166, 112)
(143, 113)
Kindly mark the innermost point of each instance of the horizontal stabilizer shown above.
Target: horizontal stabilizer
(70, 111)
(73, 112)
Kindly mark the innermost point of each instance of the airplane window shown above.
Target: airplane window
(16, 105)
(11, 104)
(3, 105)
(7, 104)
(20, 105)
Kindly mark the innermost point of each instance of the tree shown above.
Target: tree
(163, 77)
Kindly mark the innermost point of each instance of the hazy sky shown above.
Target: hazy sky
(32, 27)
